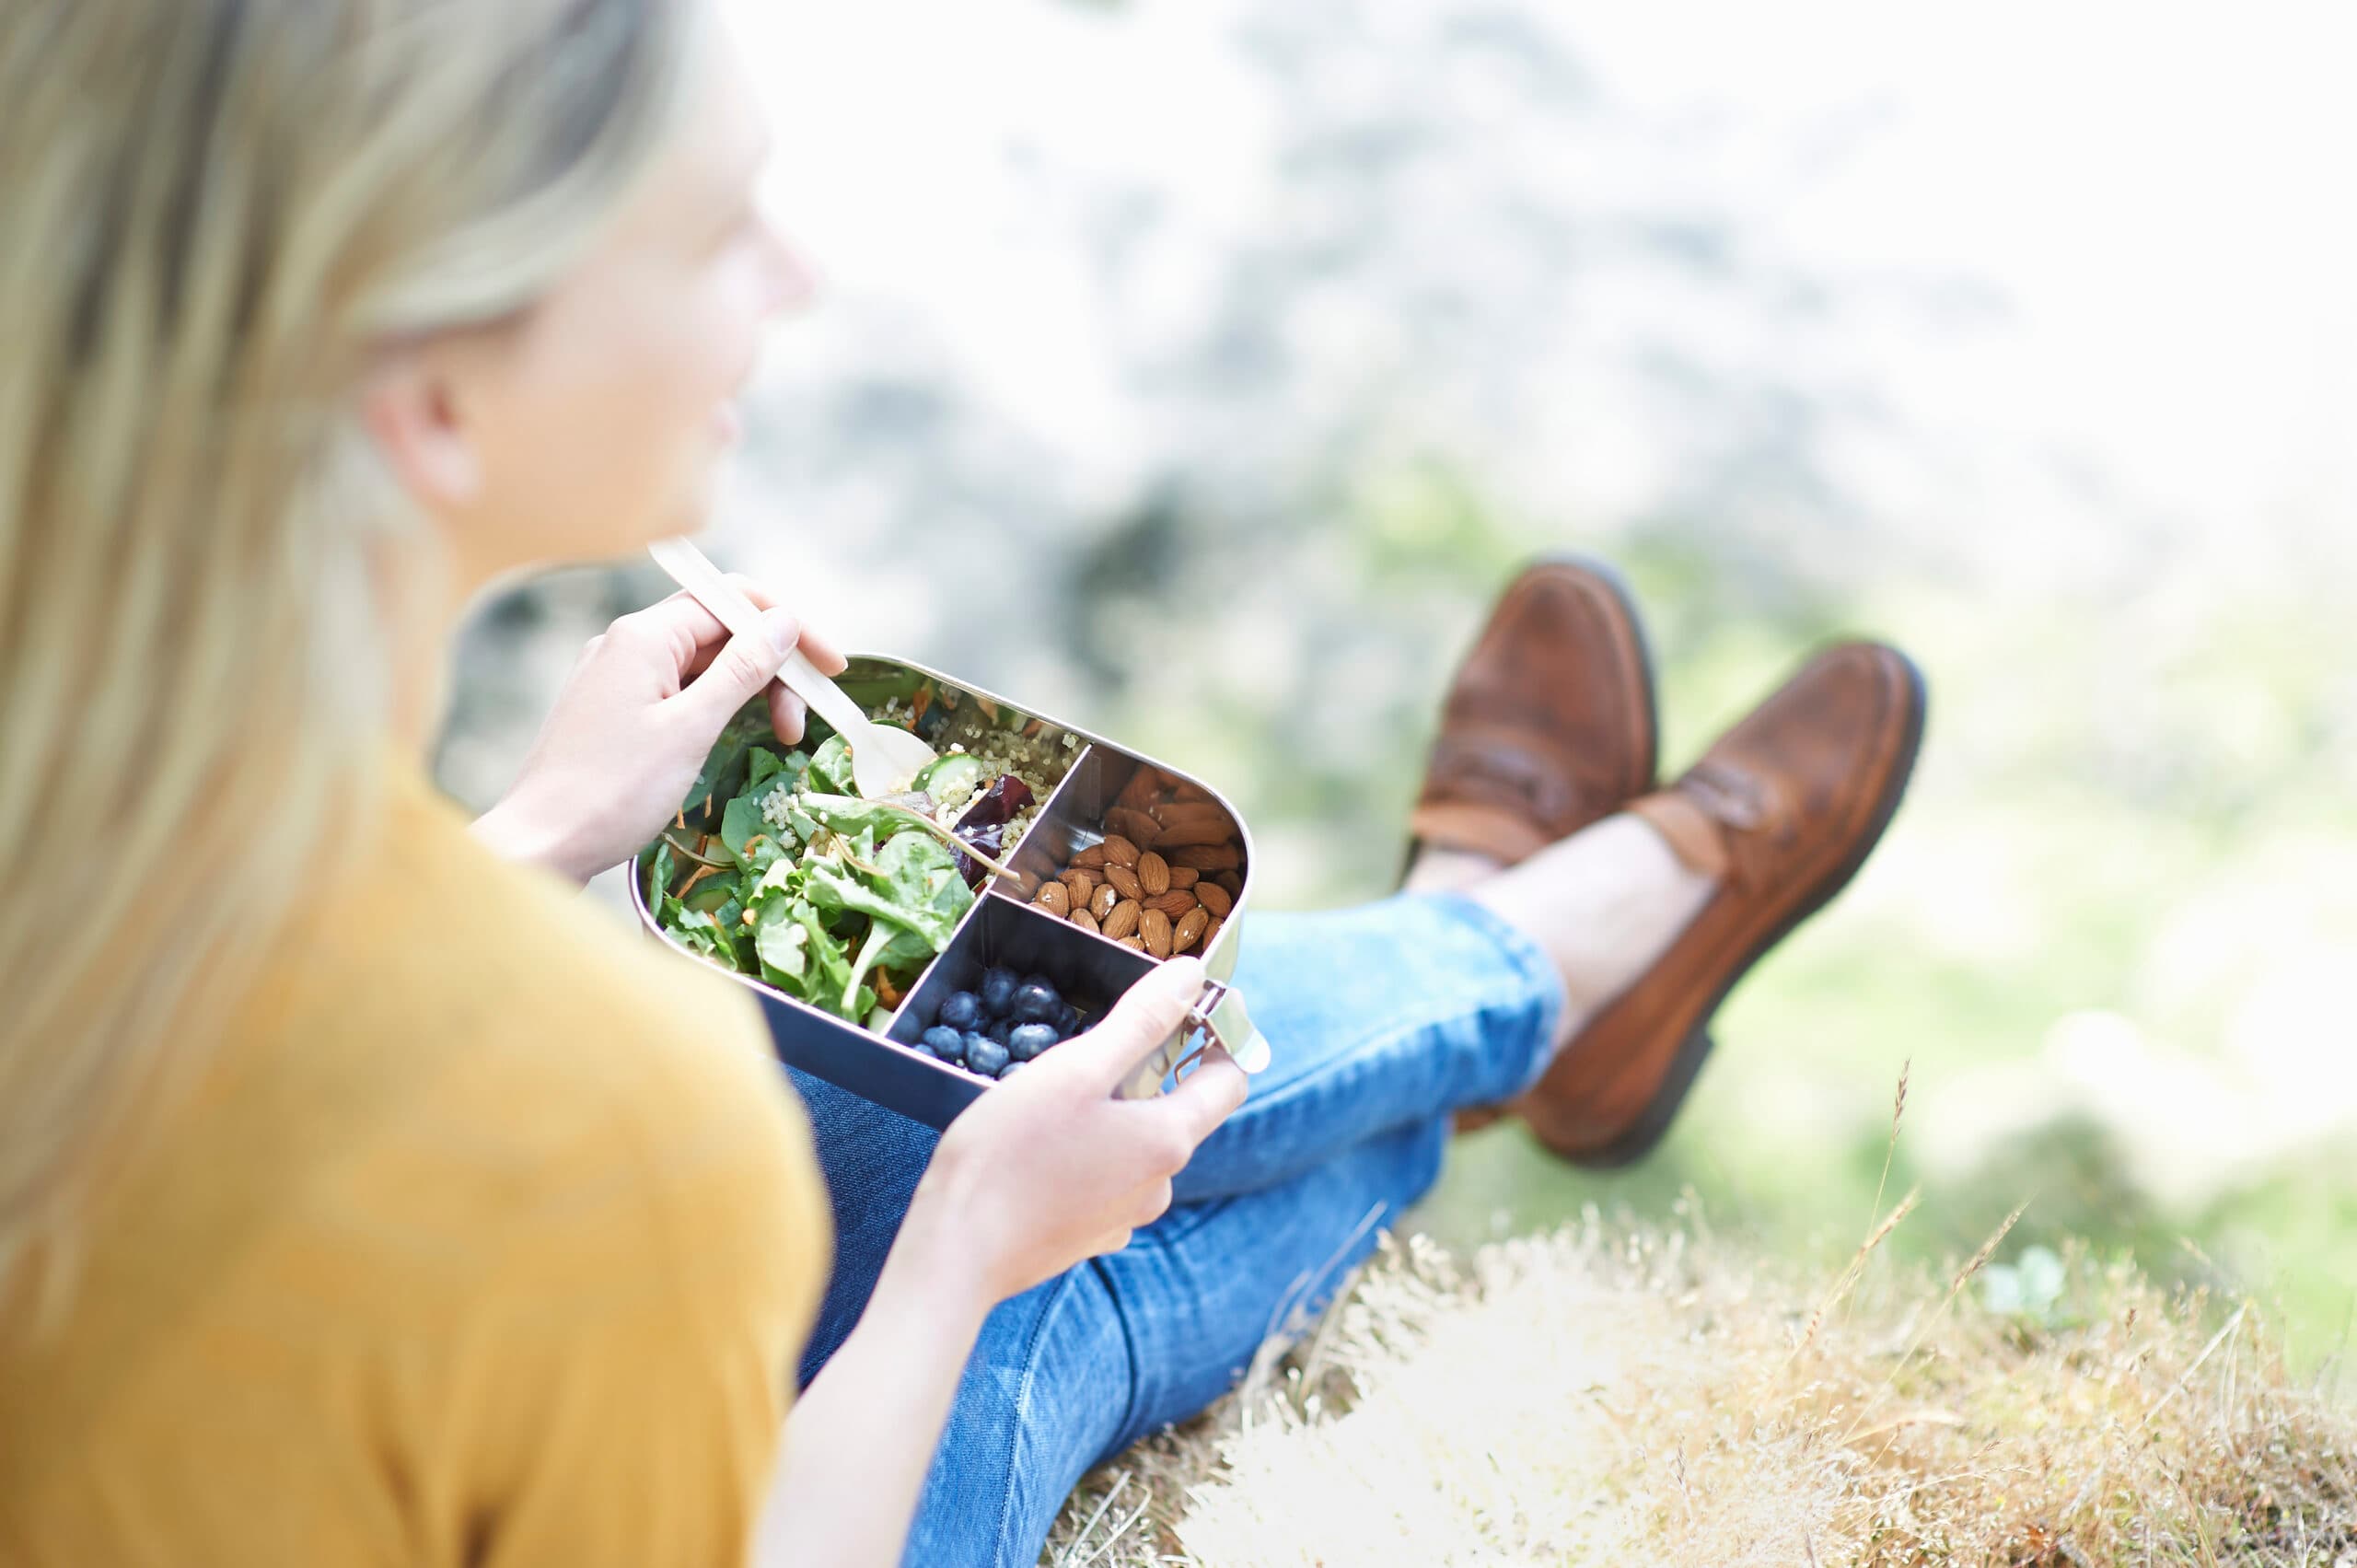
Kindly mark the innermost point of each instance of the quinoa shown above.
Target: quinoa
(1036, 752)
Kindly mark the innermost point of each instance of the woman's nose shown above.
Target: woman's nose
(791, 282)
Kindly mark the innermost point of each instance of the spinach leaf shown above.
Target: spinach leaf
(783, 946)
(830, 767)
(703, 933)
(833, 979)
(763, 765)
(921, 870)
(740, 823)
(726, 765)
(848, 814)
(855, 892)
(658, 878)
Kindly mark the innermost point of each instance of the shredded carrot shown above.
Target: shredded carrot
(701, 872)
(680, 819)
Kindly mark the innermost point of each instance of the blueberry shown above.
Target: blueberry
(1028, 1041)
(1037, 1005)
(1068, 1022)
(1039, 980)
(1009, 1071)
(998, 991)
(944, 1042)
(973, 1038)
(961, 1010)
(989, 1059)
(999, 1029)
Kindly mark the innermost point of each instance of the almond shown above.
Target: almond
(1085, 920)
(1211, 933)
(1082, 885)
(1123, 919)
(1135, 826)
(1101, 902)
(1119, 851)
(1055, 898)
(1127, 880)
(1174, 903)
(1232, 882)
(1187, 833)
(1153, 873)
(1134, 943)
(1144, 788)
(1191, 925)
(1208, 857)
(1153, 928)
(1213, 897)
(1184, 875)
(1090, 858)
(1183, 813)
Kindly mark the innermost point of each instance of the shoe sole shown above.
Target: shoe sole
(1644, 1133)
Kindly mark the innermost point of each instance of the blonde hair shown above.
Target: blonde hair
(216, 212)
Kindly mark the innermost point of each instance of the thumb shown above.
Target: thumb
(739, 671)
(1141, 1021)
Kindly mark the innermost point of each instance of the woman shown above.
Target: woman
(364, 1199)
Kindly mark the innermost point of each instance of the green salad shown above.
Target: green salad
(777, 867)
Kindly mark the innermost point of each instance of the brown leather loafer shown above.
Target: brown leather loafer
(1549, 725)
(1783, 810)
(1551, 722)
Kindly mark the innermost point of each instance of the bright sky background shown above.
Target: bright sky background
(2160, 194)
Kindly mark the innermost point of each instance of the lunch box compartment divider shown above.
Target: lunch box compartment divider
(1090, 973)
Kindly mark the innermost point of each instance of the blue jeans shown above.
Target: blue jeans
(1383, 1019)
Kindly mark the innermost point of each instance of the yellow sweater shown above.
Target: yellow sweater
(489, 1240)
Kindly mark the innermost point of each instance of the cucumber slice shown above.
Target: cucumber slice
(951, 776)
(709, 894)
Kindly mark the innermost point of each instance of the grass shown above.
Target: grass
(1609, 1393)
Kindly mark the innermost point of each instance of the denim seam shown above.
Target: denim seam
(1023, 1404)
(1129, 1349)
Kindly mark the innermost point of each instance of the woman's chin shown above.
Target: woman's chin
(690, 514)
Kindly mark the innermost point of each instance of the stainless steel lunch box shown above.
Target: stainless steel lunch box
(1005, 927)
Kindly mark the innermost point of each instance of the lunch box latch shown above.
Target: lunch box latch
(1219, 1013)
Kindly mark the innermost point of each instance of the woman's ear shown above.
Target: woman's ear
(414, 410)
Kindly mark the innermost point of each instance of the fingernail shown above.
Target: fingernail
(783, 633)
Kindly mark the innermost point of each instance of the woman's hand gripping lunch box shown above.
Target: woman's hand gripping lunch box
(917, 949)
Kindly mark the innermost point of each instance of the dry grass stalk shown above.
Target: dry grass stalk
(1606, 1396)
